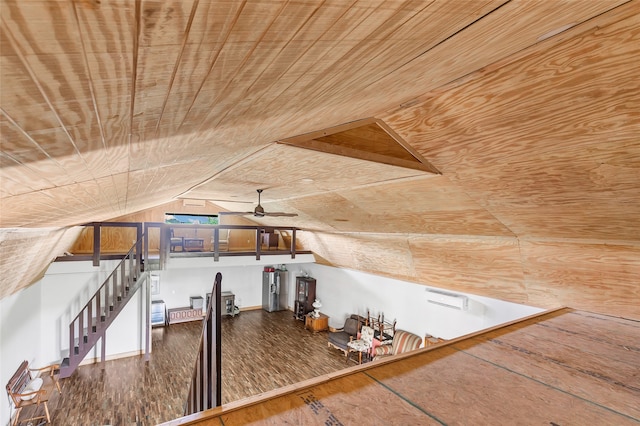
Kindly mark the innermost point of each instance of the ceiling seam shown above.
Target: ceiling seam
(244, 112)
(93, 99)
(14, 43)
(321, 91)
(186, 33)
(243, 160)
(33, 141)
(335, 63)
(444, 40)
(327, 51)
(134, 77)
(176, 65)
(213, 62)
(240, 66)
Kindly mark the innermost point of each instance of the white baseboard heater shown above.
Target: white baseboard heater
(450, 300)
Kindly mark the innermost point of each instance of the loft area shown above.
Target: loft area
(525, 115)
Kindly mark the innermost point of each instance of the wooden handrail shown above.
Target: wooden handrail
(206, 382)
(103, 307)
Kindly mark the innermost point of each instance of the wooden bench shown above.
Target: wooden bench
(26, 390)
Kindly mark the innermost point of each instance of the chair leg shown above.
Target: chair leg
(15, 420)
(46, 410)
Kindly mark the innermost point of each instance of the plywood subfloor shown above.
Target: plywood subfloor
(563, 368)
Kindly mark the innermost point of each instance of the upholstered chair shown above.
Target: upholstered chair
(362, 345)
(342, 336)
(403, 341)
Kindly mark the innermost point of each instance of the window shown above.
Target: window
(191, 219)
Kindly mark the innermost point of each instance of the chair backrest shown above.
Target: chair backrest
(19, 381)
(366, 334)
(403, 341)
(351, 326)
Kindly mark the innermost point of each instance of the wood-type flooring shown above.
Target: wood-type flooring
(261, 351)
(562, 368)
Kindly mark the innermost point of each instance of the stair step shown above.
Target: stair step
(85, 339)
(111, 308)
(76, 350)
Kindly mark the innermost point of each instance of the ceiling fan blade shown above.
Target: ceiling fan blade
(259, 211)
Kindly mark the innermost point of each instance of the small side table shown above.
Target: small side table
(316, 324)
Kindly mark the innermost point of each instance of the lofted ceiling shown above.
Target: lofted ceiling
(525, 114)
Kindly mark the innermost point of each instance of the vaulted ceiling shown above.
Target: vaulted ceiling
(526, 116)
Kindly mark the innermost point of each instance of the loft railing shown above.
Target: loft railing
(172, 239)
(206, 383)
(104, 306)
(107, 240)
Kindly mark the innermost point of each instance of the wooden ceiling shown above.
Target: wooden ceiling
(530, 112)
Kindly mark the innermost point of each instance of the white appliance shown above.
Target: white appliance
(450, 300)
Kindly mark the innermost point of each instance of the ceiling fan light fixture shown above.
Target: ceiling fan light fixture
(259, 210)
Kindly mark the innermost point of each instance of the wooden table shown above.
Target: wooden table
(316, 324)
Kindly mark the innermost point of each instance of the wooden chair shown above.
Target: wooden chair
(223, 239)
(25, 390)
(176, 242)
(362, 345)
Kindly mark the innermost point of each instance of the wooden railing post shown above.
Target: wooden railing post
(206, 383)
(96, 244)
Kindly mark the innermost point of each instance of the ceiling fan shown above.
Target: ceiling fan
(259, 211)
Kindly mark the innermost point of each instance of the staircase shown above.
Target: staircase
(97, 315)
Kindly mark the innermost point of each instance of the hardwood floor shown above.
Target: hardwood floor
(261, 351)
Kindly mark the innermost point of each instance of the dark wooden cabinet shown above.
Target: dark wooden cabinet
(305, 296)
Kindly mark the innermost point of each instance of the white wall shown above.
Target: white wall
(343, 292)
(185, 277)
(19, 337)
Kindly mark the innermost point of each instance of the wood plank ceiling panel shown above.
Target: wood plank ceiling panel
(508, 30)
(51, 69)
(107, 35)
(71, 139)
(201, 45)
(329, 32)
(28, 252)
(557, 162)
(241, 41)
(586, 274)
(419, 206)
(290, 171)
(401, 38)
(316, 66)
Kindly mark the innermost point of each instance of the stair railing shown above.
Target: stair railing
(104, 306)
(206, 383)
